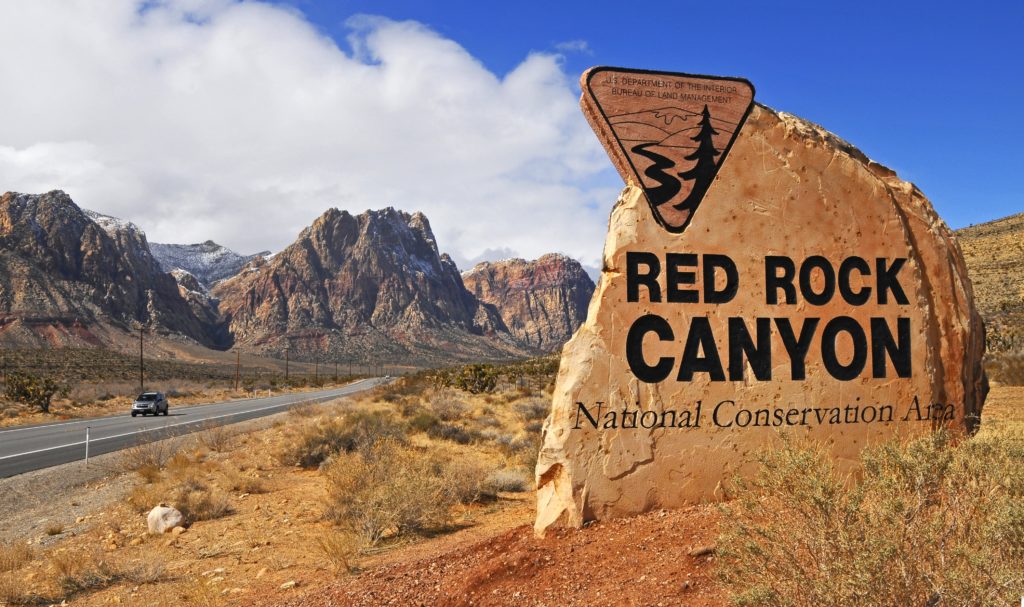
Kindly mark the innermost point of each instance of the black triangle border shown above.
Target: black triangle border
(725, 153)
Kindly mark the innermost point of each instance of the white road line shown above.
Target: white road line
(164, 427)
(95, 419)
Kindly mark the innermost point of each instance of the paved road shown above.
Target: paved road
(27, 448)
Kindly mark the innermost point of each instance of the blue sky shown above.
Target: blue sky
(931, 89)
(243, 121)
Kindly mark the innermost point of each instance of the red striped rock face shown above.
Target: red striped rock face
(813, 293)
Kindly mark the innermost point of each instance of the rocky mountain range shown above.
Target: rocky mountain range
(364, 288)
(542, 302)
(69, 277)
(374, 284)
(208, 261)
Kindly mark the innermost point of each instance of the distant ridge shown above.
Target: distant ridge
(994, 252)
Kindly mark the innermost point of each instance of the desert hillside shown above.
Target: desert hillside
(994, 252)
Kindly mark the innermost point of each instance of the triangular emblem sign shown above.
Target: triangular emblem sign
(666, 132)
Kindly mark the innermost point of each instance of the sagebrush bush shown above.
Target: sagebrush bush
(388, 489)
(465, 479)
(312, 443)
(446, 405)
(508, 480)
(927, 523)
(450, 432)
(534, 409)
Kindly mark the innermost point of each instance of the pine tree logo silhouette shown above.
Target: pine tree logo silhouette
(666, 132)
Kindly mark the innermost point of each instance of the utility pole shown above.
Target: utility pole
(316, 368)
(286, 364)
(335, 371)
(142, 366)
(238, 362)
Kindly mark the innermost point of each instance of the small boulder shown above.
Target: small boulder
(163, 518)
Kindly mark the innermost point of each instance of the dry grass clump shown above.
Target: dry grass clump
(508, 480)
(54, 529)
(14, 556)
(340, 548)
(217, 438)
(147, 454)
(446, 404)
(75, 572)
(13, 592)
(928, 523)
(198, 501)
(237, 480)
(180, 484)
(312, 443)
(533, 409)
(1005, 367)
(389, 489)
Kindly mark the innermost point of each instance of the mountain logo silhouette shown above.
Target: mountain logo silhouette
(667, 132)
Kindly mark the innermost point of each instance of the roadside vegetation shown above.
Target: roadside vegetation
(330, 488)
(930, 522)
(38, 385)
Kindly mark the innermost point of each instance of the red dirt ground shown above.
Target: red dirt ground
(640, 561)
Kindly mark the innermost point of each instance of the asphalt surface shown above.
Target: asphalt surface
(26, 448)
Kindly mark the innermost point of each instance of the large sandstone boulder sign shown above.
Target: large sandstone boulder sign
(812, 292)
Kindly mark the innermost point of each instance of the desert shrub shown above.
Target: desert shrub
(476, 379)
(465, 480)
(144, 498)
(508, 480)
(147, 453)
(487, 421)
(316, 441)
(1006, 367)
(447, 406)
(34, 390)
(423, 421)
(534, 409)
(74, 573)
(450, 432)
(12, 592)
(387, 489)
(340, 548)
(522, 449)
(239, 481)
(217, 438)
(14, 556)
(54, 529)
(928, 523)
(198, 502)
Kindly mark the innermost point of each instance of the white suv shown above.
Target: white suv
(150, 402)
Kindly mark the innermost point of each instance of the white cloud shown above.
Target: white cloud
(241, 122)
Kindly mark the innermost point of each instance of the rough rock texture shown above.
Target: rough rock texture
(204, 306)
(994, 252)
(787, 188)
(542, 302)
(372, 287)
(68, 276)
(163, 519)
(208, 261)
